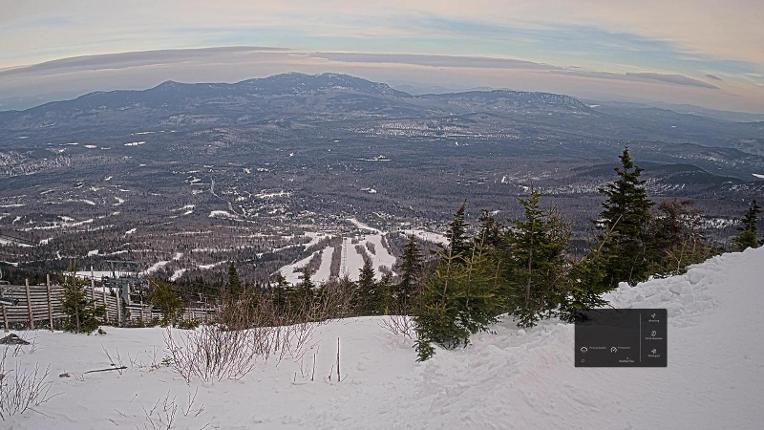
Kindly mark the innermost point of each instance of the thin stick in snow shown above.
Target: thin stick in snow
(105, 370)
(313, 372)
(339, 378)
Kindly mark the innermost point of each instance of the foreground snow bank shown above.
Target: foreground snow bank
(512, 379)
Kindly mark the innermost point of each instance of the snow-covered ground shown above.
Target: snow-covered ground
(293, 273)
(160, 264)
(509, 379)
(98, 274)
(324, 271)
(427, 236)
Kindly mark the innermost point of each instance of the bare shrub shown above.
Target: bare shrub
(399, 322)
(212, 353)
(21, 390)
(252, 328)
(167, 414)
(399, 325)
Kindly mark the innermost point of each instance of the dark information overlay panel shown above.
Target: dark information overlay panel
(621, 338)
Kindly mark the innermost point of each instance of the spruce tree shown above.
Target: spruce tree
(747, 236)
(457, 233)
(304, 293)
(458, 299)
(626, 218)
(385, 295)
(535, 271)
(490, 230)
(82, 312)
(166, 300)
(584, 285)
(369, 301)
(233, 284)
(307, 280)
(410, 270)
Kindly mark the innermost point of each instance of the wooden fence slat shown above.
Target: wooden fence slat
(50, 305)
(29, 305)
(119, 312)
(5, 316)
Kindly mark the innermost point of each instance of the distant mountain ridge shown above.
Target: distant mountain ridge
(283, 106)
(295, 84)
(294, 95)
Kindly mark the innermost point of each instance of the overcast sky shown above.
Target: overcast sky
(705, 52)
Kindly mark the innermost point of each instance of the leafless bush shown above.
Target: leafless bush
(212, 353)
(399, 325)
(21, 390)
(167, 414)
(399, 322)
(251, 328)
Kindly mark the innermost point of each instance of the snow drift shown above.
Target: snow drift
(510, 379)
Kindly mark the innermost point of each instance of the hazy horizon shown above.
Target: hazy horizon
(702, 53)
(28, 86)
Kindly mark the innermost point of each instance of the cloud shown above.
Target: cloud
(436, 60)
(671, 79)
(714, 77)
(126, 60)
(509, 63)
(24, 87)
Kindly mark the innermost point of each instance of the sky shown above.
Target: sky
(703, 52)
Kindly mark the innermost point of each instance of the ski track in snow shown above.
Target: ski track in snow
(351, 261)
(324, 270)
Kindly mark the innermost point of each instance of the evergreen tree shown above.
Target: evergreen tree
(349, 293)
(457, 300)
(747, 230)
(83, 312)
(490, 230)
(584, 285)
(535, 271)
(626, 216)
(385, 295)
(457, 233)
(410, 270)
(233, 285)
(303, 294)
(368, 299)
(279, 280)
(307, 280)
(166, 300)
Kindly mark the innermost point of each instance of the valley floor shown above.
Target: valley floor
(509, 379)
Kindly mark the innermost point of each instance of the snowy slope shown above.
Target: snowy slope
(427, 236)
(511, 379)
(293, 272)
